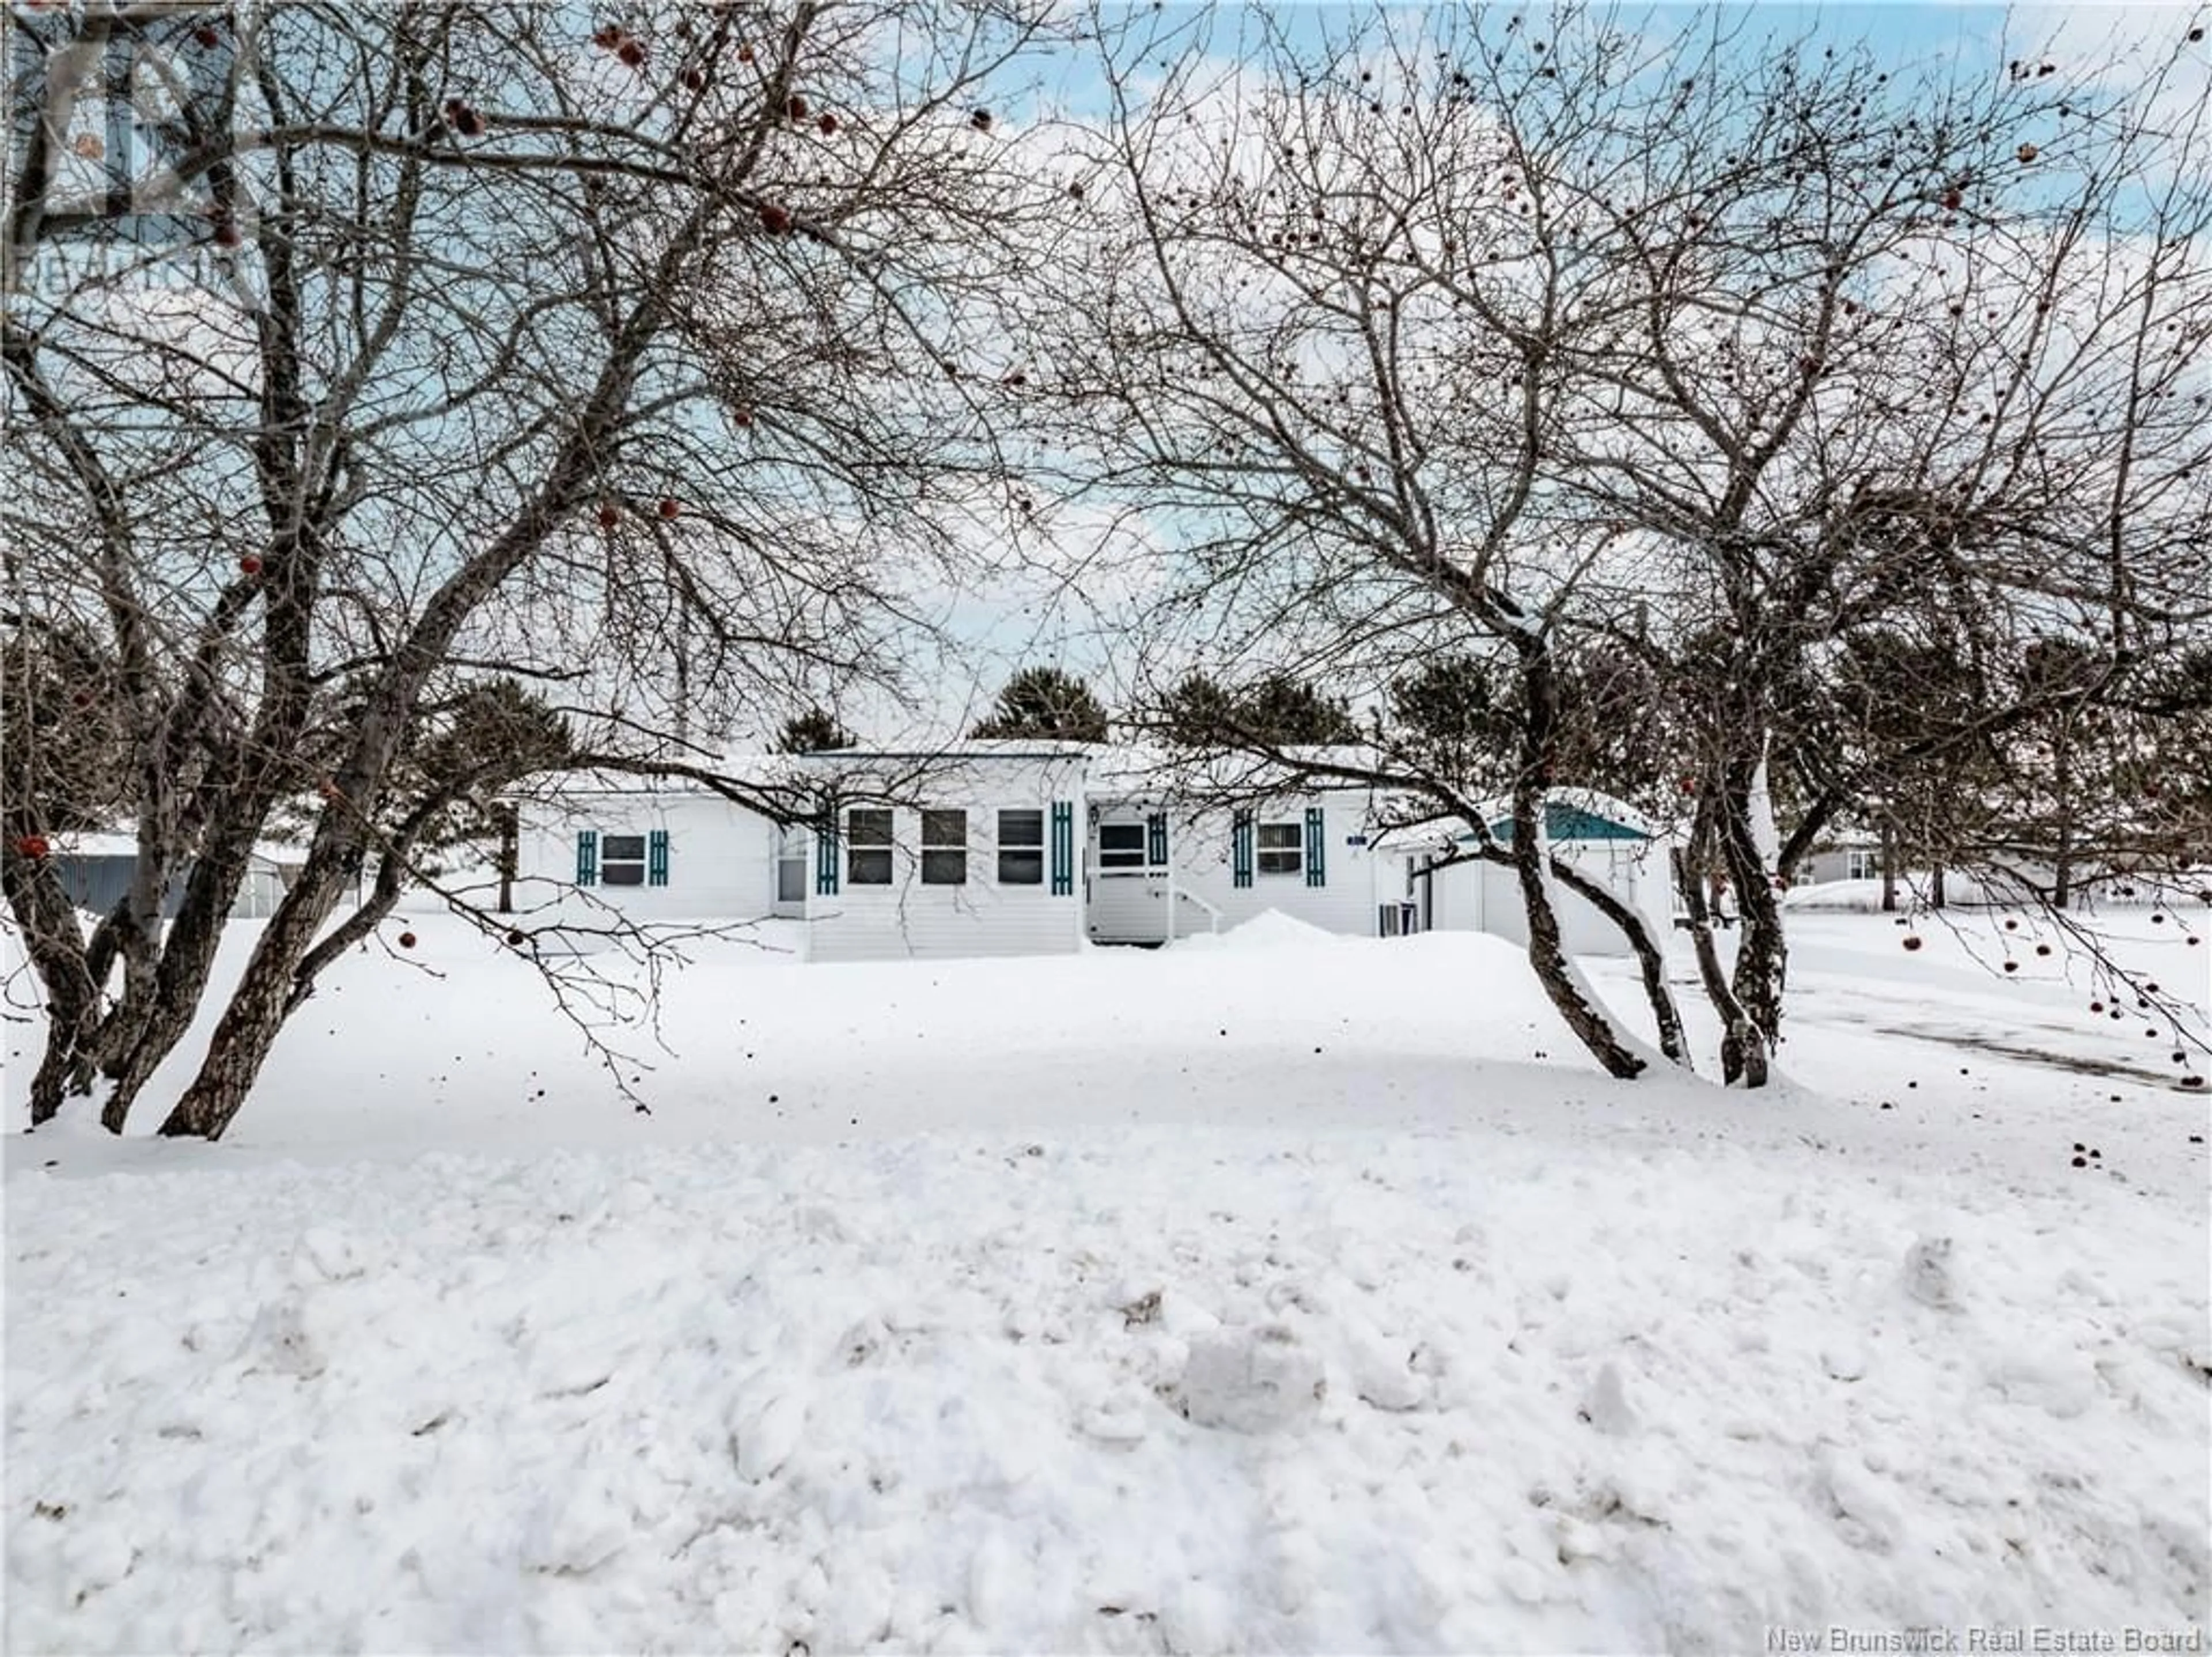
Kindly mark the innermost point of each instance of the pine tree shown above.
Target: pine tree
(1046, 704)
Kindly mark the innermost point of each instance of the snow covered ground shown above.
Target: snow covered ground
(1283, 1293)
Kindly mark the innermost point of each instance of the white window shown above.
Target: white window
(791, 866)
(943, 848)
(1860, 864)
(868, 846)
(1282, 848)
(1120, 845)
(622, 860)
(1021, 848)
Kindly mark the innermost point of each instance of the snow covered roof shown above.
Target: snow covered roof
(103, 843)
(1442, 832)
(1136, 768)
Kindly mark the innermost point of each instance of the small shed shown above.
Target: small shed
(97, 870)
(1605, 838)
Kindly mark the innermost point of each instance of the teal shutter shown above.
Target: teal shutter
(1156, 839)
(1240, 849)
(825, 849)
(587, 857)
(656, 858)
(1063, 848)
(1316, 847)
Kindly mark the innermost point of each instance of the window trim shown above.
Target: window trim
(1008, 845)
(1294, 848)
(936, 851)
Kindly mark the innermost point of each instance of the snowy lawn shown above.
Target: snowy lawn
(1286, 1294)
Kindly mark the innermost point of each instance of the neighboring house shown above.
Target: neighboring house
(1852, 856)
(1450, 891)
(1005, 847)
(96, 871)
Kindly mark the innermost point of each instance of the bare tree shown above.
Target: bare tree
(1907, 368)
(438, 344)
(1330, 340)
(1714, 357)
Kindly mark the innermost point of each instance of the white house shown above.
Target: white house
(1005, 848)
(1172, 850)
(972, 851)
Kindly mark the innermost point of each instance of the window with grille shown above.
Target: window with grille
(943, 848)
(1282, 848)
(868, 846)
(1021, 848)
(1121, 845)
(622, 860)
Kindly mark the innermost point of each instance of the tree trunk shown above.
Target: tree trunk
(1590, 1025)
(1761, 953)
(1936, 887)
(1738, 1034)
(510, 856)
(258, 1007)
(1887, 852)
(53, 938)
(1650, 958)
(2062, 785)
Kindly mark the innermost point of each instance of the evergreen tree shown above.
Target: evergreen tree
(815, 731)
(1046, 704)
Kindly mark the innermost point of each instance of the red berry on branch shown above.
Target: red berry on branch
(669, 508)
(775, 218)
(606, 37)
(745, 54)
(827, 124)
(632, 52)
(694, 80)
(407, 941)
(1912, 942)
(798, 108)
(980, 120)
(32, 846)
(206, 36)
(609, 516)
(249, 565)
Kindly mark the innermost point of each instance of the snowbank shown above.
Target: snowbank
(1178, 1389)
(1266, 932)
(1123, 1302)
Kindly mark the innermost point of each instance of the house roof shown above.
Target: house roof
(99, 844)
(1131, 768)
(1442, 833)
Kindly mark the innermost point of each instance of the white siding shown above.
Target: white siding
(721, 858)
(1480, 897)
(1127, 909)
(980, 917)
